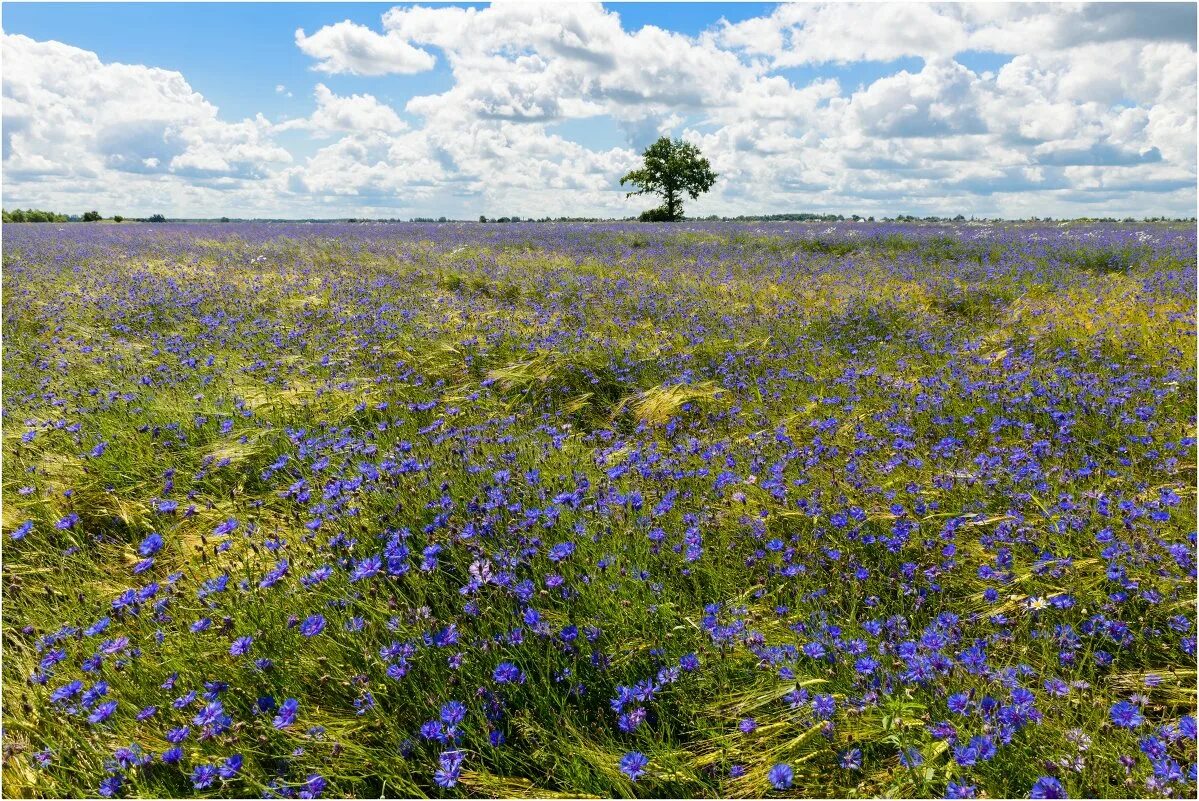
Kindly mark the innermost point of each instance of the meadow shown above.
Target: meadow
(690, 510)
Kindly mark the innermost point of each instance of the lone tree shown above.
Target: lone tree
(672, 169)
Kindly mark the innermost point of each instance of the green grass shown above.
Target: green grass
(1011, 395)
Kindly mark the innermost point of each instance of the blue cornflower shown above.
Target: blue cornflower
(449, 770)
(865, 665)
(103, 712)
(313, 626)
(240, 646)
(561, 551)
(781, 776)
(911, 758)
(226, 527)
(1127, 714)
(203, 776)
(959, 703)
(452, 712)
(231, 767)
(506, 672)
(1186, 725)
(286, 714)
(633, 764)
(814, 650)
(367, 568)
(1047, 787)
(955, 790)
(151, 545)
(314, 785)
(824, 706)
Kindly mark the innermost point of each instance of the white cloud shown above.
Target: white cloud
(940, 100)
(346, 47)
(802, 33)
(75, 125)
(1092, 100)
(356, 113)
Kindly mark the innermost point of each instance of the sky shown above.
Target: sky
(533, 109)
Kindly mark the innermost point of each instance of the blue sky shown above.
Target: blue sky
(396, 110)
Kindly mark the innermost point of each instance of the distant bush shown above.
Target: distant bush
(118, 218)
(92, 216)
(660, 214)
(156, 218)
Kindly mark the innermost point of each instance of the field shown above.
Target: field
(616, 510)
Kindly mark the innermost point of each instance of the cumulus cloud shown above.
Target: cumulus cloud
(74, 124)
(347, 47)
(940, 100)
(1093, 106)
(802, 33)
(357, 113)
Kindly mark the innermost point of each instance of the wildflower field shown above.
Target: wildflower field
(706, 509)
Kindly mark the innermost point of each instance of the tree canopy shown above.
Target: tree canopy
(33, 215)
(672, 169)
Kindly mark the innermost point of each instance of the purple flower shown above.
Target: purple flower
(151, 545)
(452, 712)
(313, 626)
(1186, 725)
(203, 776)
(226, 527)
(955, 790)
(781, 776)
(1047, 787)
(367, 568)
(1127, 715)
(633, 764)
(240, 646)
(286, 714)
(231, 767)
(447, 774)
(314, 785)
(506, 673)
(824, 706)
(103, 712)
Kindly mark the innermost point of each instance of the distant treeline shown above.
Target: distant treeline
(40, 216)
(34, 215)
(37, 215)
